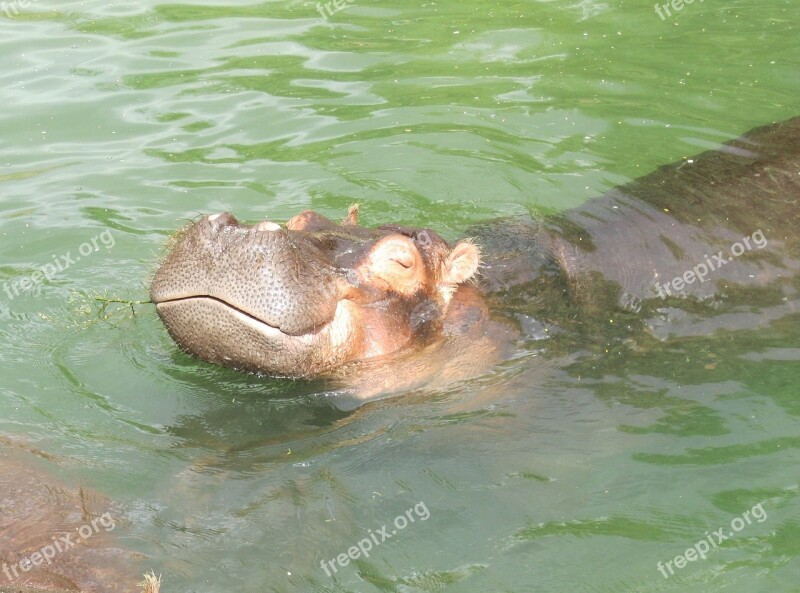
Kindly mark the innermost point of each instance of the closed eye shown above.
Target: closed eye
(406, 261)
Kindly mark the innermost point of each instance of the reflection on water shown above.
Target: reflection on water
(573, 467)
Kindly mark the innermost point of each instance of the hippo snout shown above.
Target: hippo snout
(254, 297)
(261, 271)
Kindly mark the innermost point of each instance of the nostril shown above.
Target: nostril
(268, 225)
(221, 219)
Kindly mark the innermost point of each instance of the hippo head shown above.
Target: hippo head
(306, 298)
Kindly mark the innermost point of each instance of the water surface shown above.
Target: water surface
(132, 118)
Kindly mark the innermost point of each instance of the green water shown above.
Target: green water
(130, 118)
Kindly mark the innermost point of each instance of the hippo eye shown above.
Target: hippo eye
(391, 264)
(406, 260)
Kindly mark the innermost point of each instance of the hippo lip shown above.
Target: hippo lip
(249, 316)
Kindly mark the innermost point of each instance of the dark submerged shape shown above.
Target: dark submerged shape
(319, 299)
(39, 511)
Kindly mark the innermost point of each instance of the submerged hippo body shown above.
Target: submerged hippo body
(55, 536)
(669, 253)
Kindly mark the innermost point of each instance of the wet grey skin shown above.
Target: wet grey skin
(267, 299)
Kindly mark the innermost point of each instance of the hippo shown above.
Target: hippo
(57, 537)
(379, 310)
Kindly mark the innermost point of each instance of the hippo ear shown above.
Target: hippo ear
(461, 264)
(352, 216)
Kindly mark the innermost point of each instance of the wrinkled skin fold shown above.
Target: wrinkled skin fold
(314, 297)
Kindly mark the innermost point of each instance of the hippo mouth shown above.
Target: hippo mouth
(261, 324)
(221, 332)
